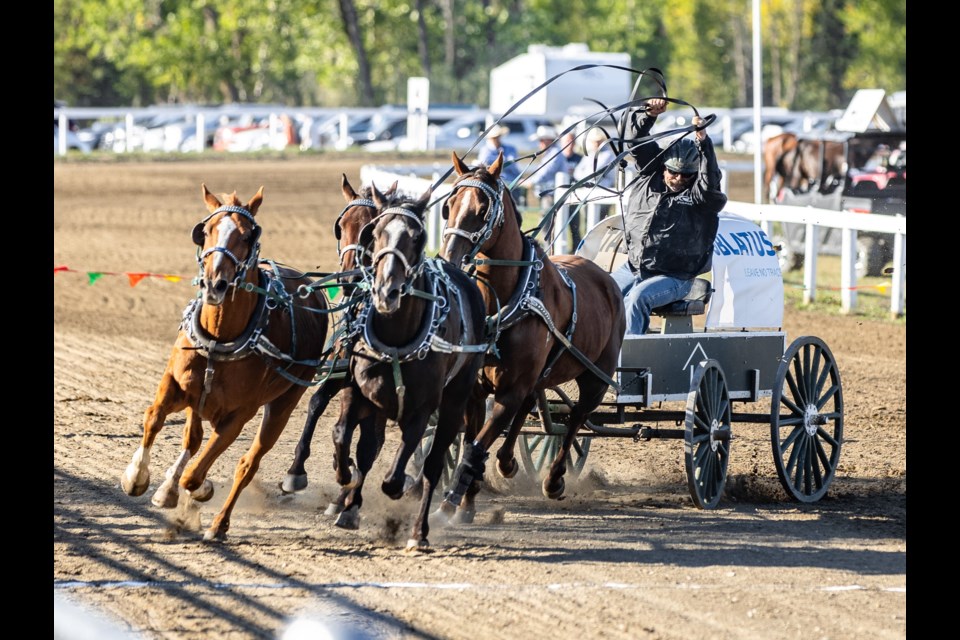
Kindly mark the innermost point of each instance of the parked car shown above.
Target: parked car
(464, 133)
(74, 143)
(874, 181)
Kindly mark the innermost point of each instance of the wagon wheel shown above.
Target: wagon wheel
(539, 450)
(807, 437)
(706, 442)
(449, 461)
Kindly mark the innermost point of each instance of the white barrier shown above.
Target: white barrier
(847, 221)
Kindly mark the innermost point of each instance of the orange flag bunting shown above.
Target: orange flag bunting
(135, 278)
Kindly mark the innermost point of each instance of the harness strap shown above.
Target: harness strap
(536, 306)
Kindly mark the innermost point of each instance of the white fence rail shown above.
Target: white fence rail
(848, 222)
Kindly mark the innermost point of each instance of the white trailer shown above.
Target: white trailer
(514, 79)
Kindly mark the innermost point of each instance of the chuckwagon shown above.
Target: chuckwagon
(686, 383)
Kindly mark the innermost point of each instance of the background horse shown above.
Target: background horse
(420, 344)
(559, 319)
(249, 341)
(356, 214)
(802, 164)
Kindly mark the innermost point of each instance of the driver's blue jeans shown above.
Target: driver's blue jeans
(640, 297)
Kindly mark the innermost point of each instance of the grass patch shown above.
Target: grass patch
(873, 293)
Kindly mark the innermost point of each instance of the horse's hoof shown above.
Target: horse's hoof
(166, 495)
(463, 516)
(349, 518)
(417, 546)
(214, 535)
(294, 483)
(510, 471)
(134, 483)
(333, 509)
(554, 492)
(203, 493)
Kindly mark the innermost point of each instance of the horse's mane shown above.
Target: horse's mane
(481, 172)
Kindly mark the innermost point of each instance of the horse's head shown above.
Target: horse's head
(228, 242)
(474, 210)
(397, 237)
(359, 210)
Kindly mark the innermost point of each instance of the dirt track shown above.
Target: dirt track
(625, 554)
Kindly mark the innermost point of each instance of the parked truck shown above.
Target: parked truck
(512, 81)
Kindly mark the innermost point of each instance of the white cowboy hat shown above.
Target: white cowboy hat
(498, 131)
(544, 133)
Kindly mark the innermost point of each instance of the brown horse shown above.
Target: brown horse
(419, 346)
(249, 341)
(356, 214)
(558, 319)
(778, 156)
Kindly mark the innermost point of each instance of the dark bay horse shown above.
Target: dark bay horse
(419, 346)
(357, 212)
(801, 164)
(250, 341)
(558, 319)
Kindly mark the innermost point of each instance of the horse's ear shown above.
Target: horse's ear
(212, 203)
(423, 201)
(255, 202)
(494, 169)
(458, 165)
(393, 188)
(378, 198)
(348, 193)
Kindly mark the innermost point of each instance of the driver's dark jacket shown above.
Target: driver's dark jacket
(668, 233)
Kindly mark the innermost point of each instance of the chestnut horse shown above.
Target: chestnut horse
(558, 319)
(419, 346)
(250, 340)
(358, 211)
(779, 153)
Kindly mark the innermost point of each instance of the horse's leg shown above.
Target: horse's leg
(167, 493)
(474, 415)
(412, 428)
(169, 399)
(275, 417)
(449, 424)
(591, 392)
(296, 478)
(352, 407)
(472, 464)
(507, 463)
(194, 477)
(369, 444)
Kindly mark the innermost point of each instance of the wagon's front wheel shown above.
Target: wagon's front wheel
(538, 451)
(806, 421)
(450, 460)
(706, 443)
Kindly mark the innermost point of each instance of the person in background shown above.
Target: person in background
(597, 158)
(671, 220)
(569, 145)
(543, 179)
(492, 146)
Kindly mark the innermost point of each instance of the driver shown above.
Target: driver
(671, 218)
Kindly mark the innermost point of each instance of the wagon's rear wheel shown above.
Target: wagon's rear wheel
(806, 421)
(539, 450)
(706, 443)
(450, 460)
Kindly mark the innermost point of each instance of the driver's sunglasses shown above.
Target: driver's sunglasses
(685, 176)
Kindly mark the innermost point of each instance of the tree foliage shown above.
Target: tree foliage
(361, 52)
